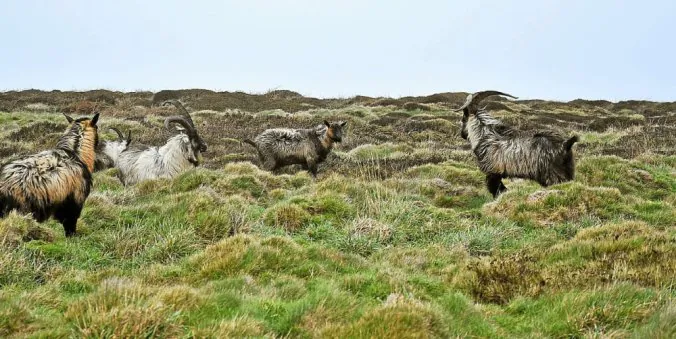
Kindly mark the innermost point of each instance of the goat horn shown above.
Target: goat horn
(181, 121)
(476, 98)
(70, 120)
(183, 111)
(120, 136)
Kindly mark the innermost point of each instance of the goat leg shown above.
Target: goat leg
(495, 185)
(312, 166)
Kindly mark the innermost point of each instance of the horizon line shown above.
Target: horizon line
(259, 92)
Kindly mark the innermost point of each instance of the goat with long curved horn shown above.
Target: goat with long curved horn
(505, 152)
(181, 152)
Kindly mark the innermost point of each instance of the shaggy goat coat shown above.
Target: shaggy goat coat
(54, 182)
(280, 147)
(504, 152)
(141, 163)
(108, 152)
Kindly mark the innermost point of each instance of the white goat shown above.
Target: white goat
(181, 152)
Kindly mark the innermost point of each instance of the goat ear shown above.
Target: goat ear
(128, 137)
(70, 120)
(342, 124)
(95, 119)
(327, 123)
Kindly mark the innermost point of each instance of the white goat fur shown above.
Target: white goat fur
(137, 164)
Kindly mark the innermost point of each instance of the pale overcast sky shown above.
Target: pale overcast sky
(595, 49)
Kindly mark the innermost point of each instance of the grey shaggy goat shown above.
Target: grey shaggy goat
(54, 182)
(505, 152)
(280, 147)
(108, 152)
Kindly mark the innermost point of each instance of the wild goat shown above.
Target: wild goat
(280, 147)
(108, 152)
(506, 152)
(54, 182)
(181, 152)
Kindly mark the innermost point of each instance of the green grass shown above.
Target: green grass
(397, 237)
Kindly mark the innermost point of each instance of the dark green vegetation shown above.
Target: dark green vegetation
(396, 238)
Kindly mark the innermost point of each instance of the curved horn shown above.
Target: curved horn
(181, 121)
(184, 112)
(475, 98)
(120, 136)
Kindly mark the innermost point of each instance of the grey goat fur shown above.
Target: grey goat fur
(280, 147)
(505, 152)
(181, 152)
(108, 152)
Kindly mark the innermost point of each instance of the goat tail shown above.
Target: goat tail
(250, 142)
(568, 144)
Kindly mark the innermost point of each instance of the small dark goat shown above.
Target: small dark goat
(182, 152)
(280, 147)
(505, 152)
(55, 182)
(108, 152)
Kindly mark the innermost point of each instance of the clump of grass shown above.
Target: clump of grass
(380, 151)
(366, 236)
(606, 138)
(578, 313)
(255, 257)
(629, 251)
(498, 280)
(14, 228)
(15, 318)
(575, 202)
(326, 206)
(414, 106)
(370, 228)
(123, 308)
(287, 216)
(147, 187)
(660, 324)
(181, 297)
(192, 179)
(215, 220)
(240, 327)
(610, 254)
(451, 172)
(630, 177)
(396, 319)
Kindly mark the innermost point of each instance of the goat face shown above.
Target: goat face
(335, 130)
(197, 147)
(197, 144)
(193, 145)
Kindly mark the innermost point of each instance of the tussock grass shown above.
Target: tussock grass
(397, 237)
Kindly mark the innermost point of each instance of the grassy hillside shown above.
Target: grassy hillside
(397, 237)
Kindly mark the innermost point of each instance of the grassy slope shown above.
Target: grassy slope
(397, 237)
